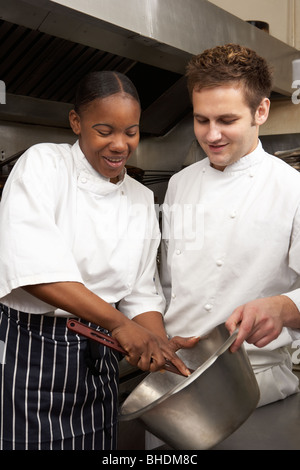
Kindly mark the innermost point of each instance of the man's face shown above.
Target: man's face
(224, 125)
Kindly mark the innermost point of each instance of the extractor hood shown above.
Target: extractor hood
(47, 45)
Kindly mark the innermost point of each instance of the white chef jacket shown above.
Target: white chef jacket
(60, 220)
(230, 237)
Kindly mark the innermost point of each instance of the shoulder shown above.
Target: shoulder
(137, 189)
(41, 158)
(47, 152)
(190, 171)
(41, 165)
(187, 175)
(283, 180)
(283, 169)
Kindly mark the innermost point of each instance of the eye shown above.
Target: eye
(201, 121)
(131, 134)
(104, 133)
(229, 121)
(132, 131)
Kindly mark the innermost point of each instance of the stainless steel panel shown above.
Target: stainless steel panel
(190, 26)
(157, 32)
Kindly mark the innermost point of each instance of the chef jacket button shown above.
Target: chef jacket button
(173, 296)
(83, 180)
(219, 262)
(178, 252)
(233, 214)
(208, 307)
(251, 174)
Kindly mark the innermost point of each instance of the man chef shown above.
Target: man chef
(231, 222)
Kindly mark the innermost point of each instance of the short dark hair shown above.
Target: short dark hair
(101, 85)
(231, 63)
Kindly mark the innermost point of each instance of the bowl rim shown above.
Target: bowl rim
(177, 388)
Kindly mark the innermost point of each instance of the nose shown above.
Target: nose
(118, 143)
(213, 134)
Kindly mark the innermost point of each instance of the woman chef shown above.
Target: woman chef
(79, 237)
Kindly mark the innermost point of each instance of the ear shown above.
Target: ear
(74, 120)
(262, 112)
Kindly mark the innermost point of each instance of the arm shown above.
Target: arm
(142, 346)
(261, 321)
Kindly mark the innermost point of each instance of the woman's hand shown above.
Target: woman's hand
(146, 343)
(143, 338)
(141, 345)
(148, 351)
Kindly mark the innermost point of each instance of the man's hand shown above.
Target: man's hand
(261, 321)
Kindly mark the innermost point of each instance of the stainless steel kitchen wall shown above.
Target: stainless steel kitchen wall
(47, 45)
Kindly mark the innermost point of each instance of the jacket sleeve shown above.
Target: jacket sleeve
(294, 263)
(33, 249)
(146, 294)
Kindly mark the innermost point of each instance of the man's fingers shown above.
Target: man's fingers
(234, 320)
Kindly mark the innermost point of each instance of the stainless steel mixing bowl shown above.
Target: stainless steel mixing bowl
(198, 411)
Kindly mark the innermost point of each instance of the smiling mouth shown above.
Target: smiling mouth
(217, 147)
(115, 162)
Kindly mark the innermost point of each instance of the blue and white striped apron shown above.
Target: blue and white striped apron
(50, 397)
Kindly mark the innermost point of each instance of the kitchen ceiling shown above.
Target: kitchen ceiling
(48, 45)
(41, 66)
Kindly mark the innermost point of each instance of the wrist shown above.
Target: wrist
(152, 321)
(290, 312)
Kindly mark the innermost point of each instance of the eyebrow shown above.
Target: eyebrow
(111, 127)
(222, 116)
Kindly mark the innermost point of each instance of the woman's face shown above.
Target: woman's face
(108, 130)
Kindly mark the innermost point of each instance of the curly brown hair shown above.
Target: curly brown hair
(231, 63)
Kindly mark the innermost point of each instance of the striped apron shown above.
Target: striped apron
(53, 394)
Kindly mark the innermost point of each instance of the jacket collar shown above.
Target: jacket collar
(89, 179)
(244, 164)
